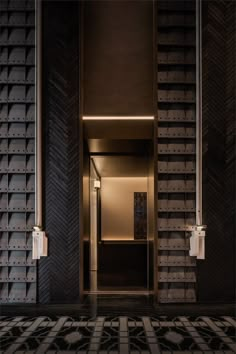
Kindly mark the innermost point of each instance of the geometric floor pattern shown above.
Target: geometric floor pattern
(117, 334)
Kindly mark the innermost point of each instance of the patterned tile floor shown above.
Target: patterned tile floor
(117, 334)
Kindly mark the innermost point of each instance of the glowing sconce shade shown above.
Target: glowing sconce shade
(97, 184)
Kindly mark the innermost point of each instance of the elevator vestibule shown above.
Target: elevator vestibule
(118, 243)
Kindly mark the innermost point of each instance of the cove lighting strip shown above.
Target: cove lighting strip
(118, 117)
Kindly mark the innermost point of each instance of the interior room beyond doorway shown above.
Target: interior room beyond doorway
(118, 206)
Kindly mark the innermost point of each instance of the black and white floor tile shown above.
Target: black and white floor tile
(117, 335)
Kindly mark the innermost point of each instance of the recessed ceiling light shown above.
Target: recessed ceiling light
(118, 117)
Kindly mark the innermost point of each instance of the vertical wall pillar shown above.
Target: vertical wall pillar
(176, 143)
(216, 275)
(59, 272)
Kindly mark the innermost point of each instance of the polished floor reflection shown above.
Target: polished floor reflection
(118, 324)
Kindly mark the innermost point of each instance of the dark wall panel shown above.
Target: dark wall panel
(216, 274)
(118, 58)
(59, 272)
(18, 272)
(176, 157)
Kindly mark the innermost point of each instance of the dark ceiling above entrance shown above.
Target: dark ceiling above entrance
(118, 57)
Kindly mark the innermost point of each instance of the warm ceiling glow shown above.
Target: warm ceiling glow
(118, 117)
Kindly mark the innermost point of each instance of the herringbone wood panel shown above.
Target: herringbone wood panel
(59, 273)
(216, 275)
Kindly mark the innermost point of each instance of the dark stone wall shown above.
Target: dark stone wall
(216, 274)
(58, 274)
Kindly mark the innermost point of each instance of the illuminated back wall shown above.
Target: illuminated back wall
(117, 206)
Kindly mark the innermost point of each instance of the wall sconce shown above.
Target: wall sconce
(96, 184)
(197, 242)
(40, 243)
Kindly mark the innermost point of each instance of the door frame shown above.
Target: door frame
(154, 150)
